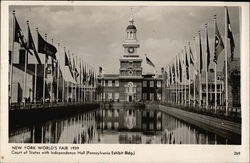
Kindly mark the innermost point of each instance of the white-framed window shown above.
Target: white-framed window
(144, 83)
(151, 126)
(151, 84)
(117, 83)
(151, 96)
(116, 113)
(110, 83)
(117, 96)
(158, 84)
(144, 126)
(103, 83)
(109, 96)
(158, 96)
(109, 113)
(144, 96)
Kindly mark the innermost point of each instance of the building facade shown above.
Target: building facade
(130, 84)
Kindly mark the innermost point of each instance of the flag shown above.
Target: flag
(173, 72)
(31, 45)
(19, 38)
(187, 65)
(218, 43)
(170, 75)
(200, 52)
(177, 70)
(207, 51)
(149, 62)
(180, 69)
(191, 55)
(45, 47)
(230, 35)
(100, 70)
(66, 59)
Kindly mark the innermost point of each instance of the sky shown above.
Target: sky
(95, 33)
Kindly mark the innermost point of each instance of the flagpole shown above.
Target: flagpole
(25, 68)
(185, 91)
(176, 83)
(206, 66)
(35, 83)
(189, 91)
(63, 81)
(11, 58)
(44, 73)
(57, 84)
(67, 96)
(76, 81)
(200, 71)
(52, 77)
(215, 72)
(226, 80)
(194, 70)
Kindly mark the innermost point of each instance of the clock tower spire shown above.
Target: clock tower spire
(130, 63)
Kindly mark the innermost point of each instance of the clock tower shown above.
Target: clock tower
(130, 63)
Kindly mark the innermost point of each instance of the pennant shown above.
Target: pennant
(191, 55)
(180, 69)
(19, 38)
(66, 59)
(100, 70)
(218, 43)
(207, 51)
(200, 52)
(230, 35)
(45, 47)
(149, 62)
(173, 72)
(31, 45)
(187, 65)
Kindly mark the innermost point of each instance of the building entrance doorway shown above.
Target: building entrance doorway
(130, 90)
(129, 98)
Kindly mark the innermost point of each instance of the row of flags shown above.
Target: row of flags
(178, 71)
(183, 63)
(87, 74)
(82, 73)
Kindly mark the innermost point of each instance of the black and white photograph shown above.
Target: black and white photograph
(168, 75)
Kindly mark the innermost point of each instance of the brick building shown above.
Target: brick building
(130, 84)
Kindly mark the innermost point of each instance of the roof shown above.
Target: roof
(131, 27)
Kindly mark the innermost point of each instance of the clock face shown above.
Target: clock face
(131, 50)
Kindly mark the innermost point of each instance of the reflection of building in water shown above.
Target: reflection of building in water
(129, 120)
(78, 129)
(130, 84)
(130, 138)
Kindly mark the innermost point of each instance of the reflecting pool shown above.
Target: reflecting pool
(116, 126)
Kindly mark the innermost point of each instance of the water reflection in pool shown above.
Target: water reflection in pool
(109, 126)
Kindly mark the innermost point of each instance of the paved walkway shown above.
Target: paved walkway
(221, 127)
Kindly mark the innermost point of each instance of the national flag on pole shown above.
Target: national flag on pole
(173, 72)
(149, 62)
(200, 47)
(187, 65)
(66, 59)
(45, 47)
(218, 44)
(170, 75)
(230, 35)
(207, 51)
(31, 45)
(191, 55)
(19, 38)
(177, 69)
(180, 69)
(100, 70)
